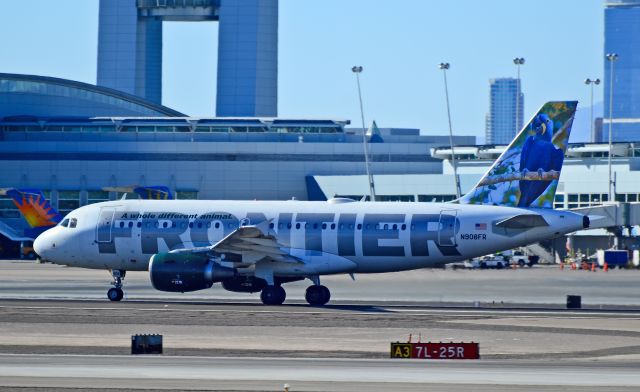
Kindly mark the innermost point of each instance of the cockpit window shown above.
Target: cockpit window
(73, 223)
(65, 223)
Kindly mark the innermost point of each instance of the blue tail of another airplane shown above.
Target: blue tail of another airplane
(527, 172)
(35, 209)
(158, 192)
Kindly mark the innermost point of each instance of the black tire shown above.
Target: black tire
(317, 295)
(273, 295)
(115, 294)
(483, 265)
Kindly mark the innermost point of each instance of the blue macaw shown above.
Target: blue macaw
(541, 155)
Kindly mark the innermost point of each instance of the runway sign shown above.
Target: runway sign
(146, 344)
(440, 350)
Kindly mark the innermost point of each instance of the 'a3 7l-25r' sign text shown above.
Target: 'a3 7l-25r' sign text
(440, 350)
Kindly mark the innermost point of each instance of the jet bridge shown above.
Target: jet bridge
(610, 219)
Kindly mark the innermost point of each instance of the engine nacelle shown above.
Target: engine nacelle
(183, 272)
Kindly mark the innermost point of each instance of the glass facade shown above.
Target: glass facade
(501, 122)
(160, 125)
(43, 88)
(622, 36)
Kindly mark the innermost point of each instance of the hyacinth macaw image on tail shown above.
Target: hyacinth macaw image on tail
(527, 173)
(539, 154)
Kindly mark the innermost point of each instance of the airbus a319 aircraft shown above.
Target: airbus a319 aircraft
(257, 246)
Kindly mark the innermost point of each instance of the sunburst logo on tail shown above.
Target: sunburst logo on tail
(34, 207)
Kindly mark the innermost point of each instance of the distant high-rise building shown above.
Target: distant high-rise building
(503, 119)
(622, 36)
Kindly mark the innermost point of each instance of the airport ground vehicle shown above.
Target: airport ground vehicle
(489, 261)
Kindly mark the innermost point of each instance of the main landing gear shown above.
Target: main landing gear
(317, 295)
(115, 293)
(273, 295)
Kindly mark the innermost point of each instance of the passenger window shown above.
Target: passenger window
(164, 225)
(121, 224)
(297, 225)
(65, 223)
(217, 225)
(73, 223)
(404, 227)
(130, 224)
(324, 226)
(288, 225)
(395, 227)
(359, 226)
(139, 224)
(333, 226)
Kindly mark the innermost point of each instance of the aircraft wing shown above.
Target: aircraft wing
(252, 243)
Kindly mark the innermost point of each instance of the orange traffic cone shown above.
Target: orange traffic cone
(593, 267)
(606, 267)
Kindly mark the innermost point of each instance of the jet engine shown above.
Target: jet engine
(182, 272)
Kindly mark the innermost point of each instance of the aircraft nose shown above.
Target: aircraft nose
(42, 245)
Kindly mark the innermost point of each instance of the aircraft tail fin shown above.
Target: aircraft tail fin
(34, 207)
(527, 172)
(157, 192)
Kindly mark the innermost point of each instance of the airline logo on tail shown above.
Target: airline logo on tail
(34, 207)
(527, 172)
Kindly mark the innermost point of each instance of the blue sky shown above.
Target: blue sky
(398, 43)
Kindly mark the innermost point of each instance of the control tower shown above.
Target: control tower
(130, 49)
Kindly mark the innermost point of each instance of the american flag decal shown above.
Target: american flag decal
(481, 226)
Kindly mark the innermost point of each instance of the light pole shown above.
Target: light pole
(518, 61)
(590, 83)
(444, 67)
(357, 70)
(612, 57)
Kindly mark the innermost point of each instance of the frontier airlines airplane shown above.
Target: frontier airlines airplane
(251, 246)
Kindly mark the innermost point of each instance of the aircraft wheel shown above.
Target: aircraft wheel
(115, 294)
(273, 295)
(317, 295)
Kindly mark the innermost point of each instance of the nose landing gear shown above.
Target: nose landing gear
(115, 293)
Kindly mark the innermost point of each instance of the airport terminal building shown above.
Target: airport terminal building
(116, 139)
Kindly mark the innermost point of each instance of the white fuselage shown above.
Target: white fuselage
(370, 237)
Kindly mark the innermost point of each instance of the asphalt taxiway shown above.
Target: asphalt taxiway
(58, 332)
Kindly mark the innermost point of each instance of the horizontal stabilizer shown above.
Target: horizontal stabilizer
(524, 221)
